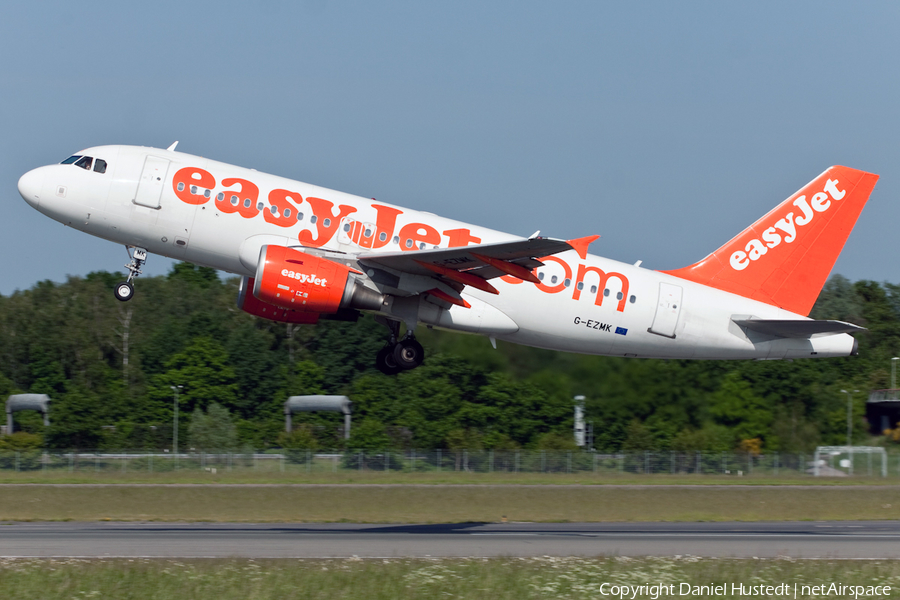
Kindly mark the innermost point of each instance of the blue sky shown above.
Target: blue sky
(664, 127)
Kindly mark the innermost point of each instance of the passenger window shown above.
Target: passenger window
(287, 213)
(632, 299)
(247, 202)
(84, 162)
(99, 166)
(382, 236)
(313, 219)
(299, 216)
(553, 279)
(541, 276)
(580, 285)
(70, 160)
(619, 296)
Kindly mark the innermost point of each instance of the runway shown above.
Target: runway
(834, 539)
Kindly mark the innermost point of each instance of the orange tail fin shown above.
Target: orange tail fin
(784, 258)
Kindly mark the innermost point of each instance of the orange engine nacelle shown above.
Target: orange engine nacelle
(301, 282)
(249, 303)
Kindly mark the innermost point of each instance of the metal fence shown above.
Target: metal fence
(445, 461)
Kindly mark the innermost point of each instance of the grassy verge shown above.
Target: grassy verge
(401, 579)
(444, 504)
(247, 476)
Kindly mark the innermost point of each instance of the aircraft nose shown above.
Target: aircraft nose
(30, 185)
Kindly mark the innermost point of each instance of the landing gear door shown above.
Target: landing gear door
(667, 310)
(153, 178)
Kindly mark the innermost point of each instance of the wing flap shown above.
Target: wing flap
(522, 253)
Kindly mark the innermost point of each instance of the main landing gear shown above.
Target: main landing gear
(125, 291)
(399, 355)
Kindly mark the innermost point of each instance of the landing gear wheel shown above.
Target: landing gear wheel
(408, 353)
(124, 291)
(384, 361)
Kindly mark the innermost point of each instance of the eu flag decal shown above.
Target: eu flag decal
(621, 331)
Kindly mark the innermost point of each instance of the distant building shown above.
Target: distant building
(883, 410)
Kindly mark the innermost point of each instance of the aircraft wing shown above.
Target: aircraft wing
(799, 328)
(467, 265)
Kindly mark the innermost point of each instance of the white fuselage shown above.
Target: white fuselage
(588, 305)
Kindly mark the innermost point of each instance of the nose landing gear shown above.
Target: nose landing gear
(399, 355)
(125, 291)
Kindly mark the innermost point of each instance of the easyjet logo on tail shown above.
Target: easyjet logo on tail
(785, 229)
(793, 247)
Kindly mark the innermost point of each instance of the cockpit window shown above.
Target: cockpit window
(84, 162)
(70, 160)
(100, 166)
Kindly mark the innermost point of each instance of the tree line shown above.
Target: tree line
(109, 368)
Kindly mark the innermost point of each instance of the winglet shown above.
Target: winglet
(172, 147)
(580, 245)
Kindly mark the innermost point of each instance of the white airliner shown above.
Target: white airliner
(307, 252)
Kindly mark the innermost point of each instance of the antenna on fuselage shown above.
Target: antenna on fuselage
(172, 147)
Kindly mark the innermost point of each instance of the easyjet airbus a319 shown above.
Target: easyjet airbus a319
(307, 253)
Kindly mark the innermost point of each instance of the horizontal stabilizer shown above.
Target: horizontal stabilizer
(796, 328)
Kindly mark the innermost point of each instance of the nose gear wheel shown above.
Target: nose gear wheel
(123, 291)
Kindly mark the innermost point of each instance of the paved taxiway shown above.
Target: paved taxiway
(836, 539)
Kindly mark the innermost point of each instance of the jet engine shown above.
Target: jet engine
(293, 280)
(249, 303)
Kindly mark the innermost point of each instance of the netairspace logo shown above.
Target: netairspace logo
(782, 590)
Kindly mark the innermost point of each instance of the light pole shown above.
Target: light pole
(175, 389)
(894, 372)
(850, 426)
(849, 416)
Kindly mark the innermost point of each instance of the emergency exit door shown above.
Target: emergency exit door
(153, 177)
(668, 308)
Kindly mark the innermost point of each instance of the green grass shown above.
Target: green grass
(400, 579)
(444, 504)
(249, 476)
